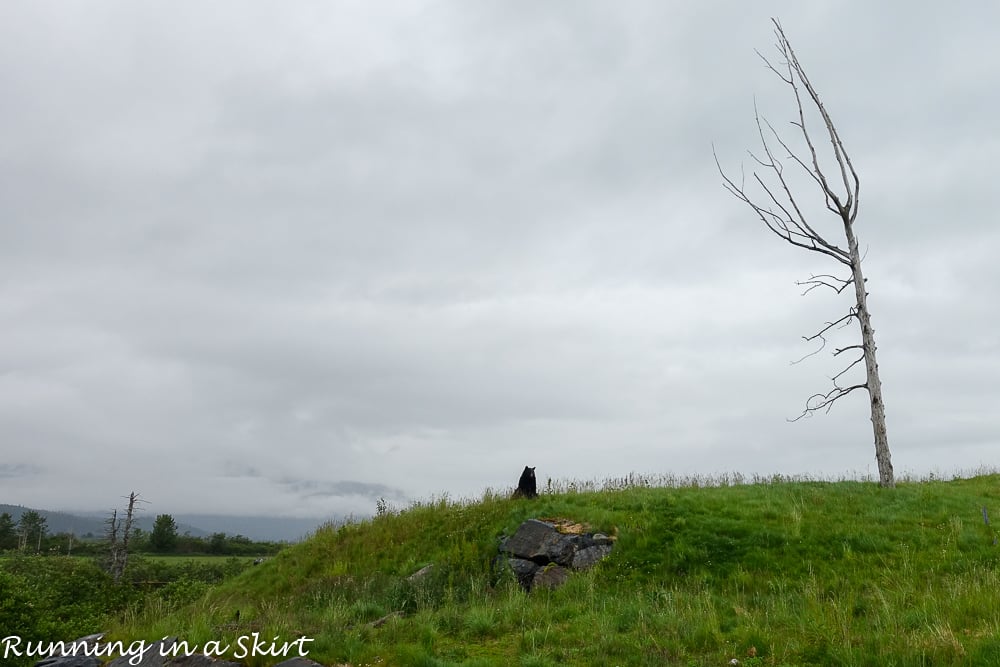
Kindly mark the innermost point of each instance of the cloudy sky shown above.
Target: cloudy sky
(287, 258)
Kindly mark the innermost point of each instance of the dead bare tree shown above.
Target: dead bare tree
(111, 535)
(779, 209)
(119, 545)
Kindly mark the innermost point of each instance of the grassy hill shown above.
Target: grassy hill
(774, 572)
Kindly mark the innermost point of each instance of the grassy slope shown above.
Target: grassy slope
(800, 573)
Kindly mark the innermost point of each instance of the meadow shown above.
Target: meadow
(179, 559)
(704, 571)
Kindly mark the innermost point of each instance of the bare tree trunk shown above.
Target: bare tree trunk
(112, 535)
(119, 547)
(874, 383)
(123, 560)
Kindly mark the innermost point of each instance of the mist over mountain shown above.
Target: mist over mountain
(257, 528)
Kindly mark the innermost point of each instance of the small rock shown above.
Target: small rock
(421, 573)
(524, 570)
(385, 619)
(550, 577)
(584, 559)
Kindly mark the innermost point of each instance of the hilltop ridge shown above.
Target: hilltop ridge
(775, 572)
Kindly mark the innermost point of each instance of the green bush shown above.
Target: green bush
(18, 615)
(72, 596)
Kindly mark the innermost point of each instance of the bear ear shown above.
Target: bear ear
(532, 469)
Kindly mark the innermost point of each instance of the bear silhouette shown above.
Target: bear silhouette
(526, 487)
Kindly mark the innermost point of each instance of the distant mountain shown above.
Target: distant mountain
(61, 522)
(142, 520)
(257, 528)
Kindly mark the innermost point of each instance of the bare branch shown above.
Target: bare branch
(814, 174)
(849, 367)
(843, 322)
(826, 400)
(783, 225)
(849, 177)
(800, 221)
(771, 67)
(825, 280)
(822, 346)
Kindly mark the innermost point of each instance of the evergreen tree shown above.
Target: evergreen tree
(164, 536)
(8, 532)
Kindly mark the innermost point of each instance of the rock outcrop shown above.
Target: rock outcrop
(541, 555)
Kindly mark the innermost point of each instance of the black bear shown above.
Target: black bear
(526, 485)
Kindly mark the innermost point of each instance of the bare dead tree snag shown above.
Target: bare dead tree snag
(778, 208)
(119, 545)
(111, 534)
(127, 533)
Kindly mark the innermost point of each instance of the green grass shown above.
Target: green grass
(795, 572)
(174, 559)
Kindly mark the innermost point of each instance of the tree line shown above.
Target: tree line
(30, 534)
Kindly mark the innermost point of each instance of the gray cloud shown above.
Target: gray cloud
(288, 261)
(326, 489)
(15, 470)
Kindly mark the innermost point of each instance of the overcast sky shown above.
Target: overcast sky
(288, 258)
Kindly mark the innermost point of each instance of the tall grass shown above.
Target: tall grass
(767, 571)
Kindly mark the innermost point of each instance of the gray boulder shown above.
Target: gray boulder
(540, 542)
(524, 570)
(550, 577)
(540, 555)
(586, 558)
